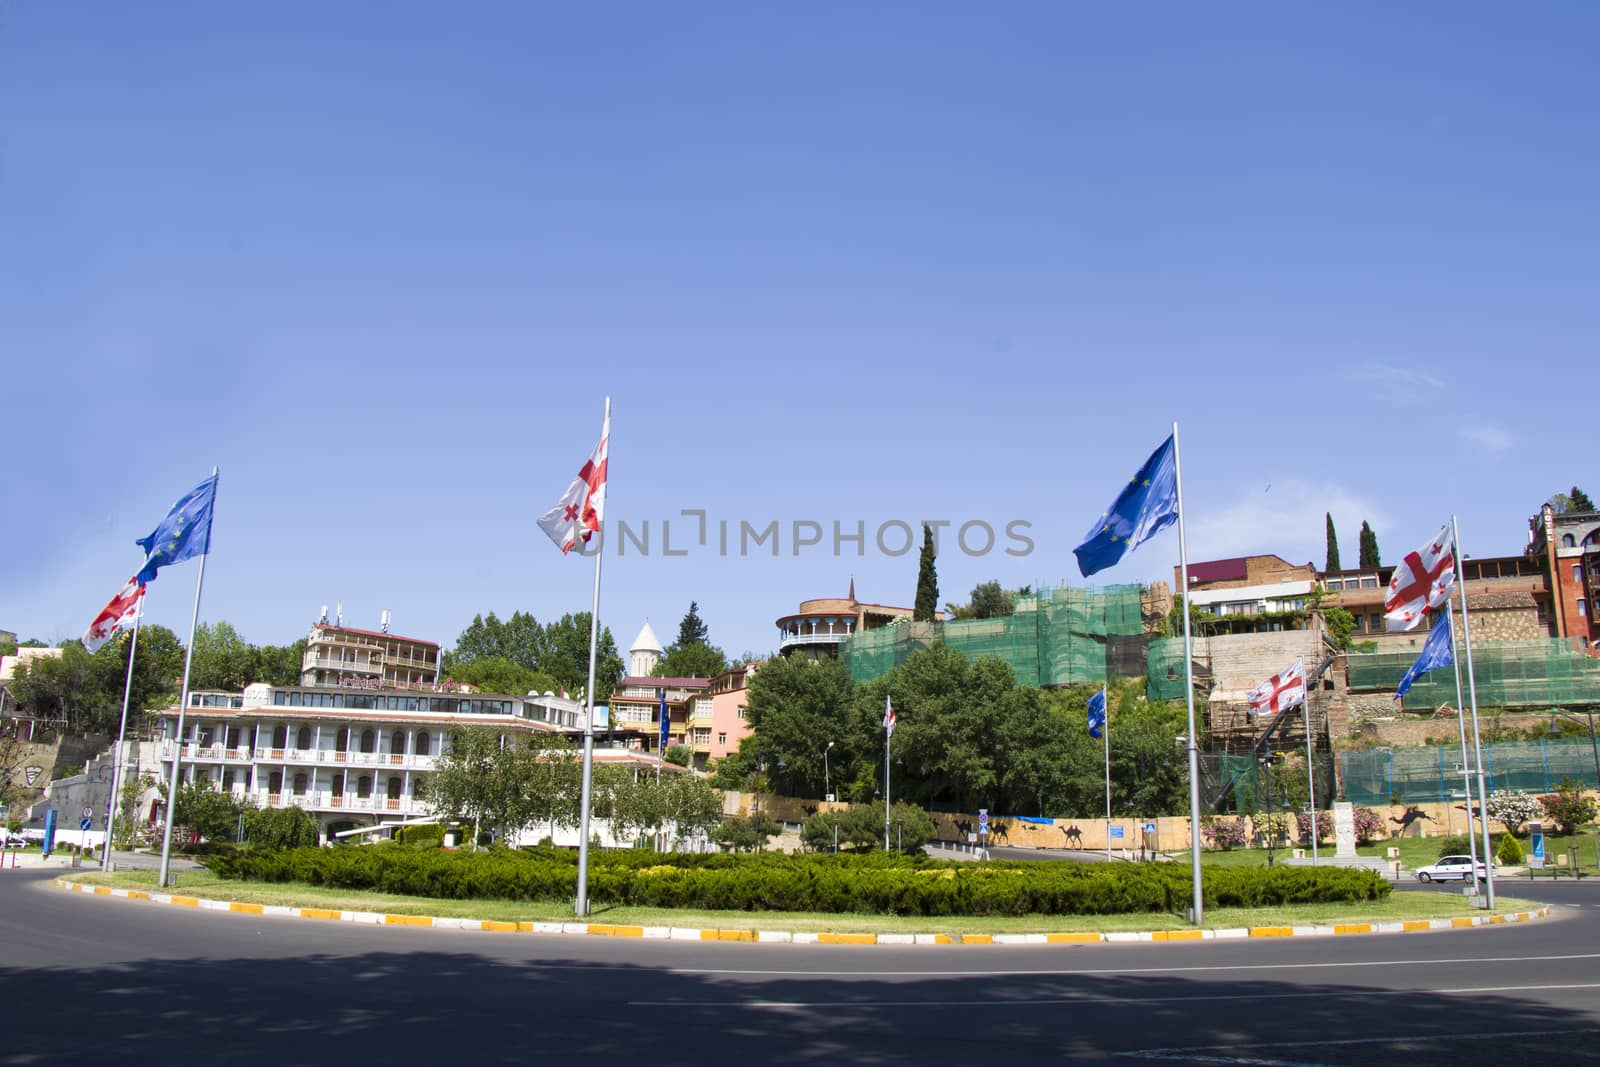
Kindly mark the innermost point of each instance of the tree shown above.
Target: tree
(988, 601)
(496, 674)
(690, 806)
(927, 602)
(205, 811)
(555, 785)
(796, 706)
(1580, 500)
(222, 659)
(279, 665)
(1369, 547)
(519, 639)
(680, 755)
(483, 781)
(692, 655)
(1333, 546)
(692, 629)
(566, 656)
(1340, 623)
(745, 833)
(71, 687)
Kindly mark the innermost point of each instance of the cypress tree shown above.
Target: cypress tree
(1580, 500)
(927, 601)
(1369, 547)
(1333, 546)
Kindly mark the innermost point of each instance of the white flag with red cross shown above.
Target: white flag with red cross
(1423, 580)
(119, 614)
(581, 509)
(1281, 692)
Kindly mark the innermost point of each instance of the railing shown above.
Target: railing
(818, 638)
(332, 664)
(193, 753)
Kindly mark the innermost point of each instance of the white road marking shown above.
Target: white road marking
(1210, 1053)
(1070, 999)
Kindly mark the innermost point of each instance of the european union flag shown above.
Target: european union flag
(1097, 713)
(666, 719)
(183, 534)
(1148, 505)
(1439, 651)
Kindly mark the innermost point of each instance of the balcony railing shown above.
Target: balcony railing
(193, 753)
(330, 663)
(818, 638)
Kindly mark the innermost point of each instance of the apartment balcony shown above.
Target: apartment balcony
(325, 800)
(313, 757)
(350, 666)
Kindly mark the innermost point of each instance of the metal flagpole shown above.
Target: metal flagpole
(122, 733)
(581, 906)
(1477, 744)
(1106, 729)
(163, 877)
(1461, 724)
(888, 735)
(1197, 909)
(1311, 777)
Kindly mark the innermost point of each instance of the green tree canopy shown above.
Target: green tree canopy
(927, 602)
(566, 656)
(496, 674)
(795, 706)
(692, 629)
(692, 655)
(1369, 547)
(222, 659)
(1333, 545)
(1580, 500)
(519, 639)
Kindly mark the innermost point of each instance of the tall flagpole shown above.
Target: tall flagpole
(1197, 909)
(1106, 729)
(888, 735)
(163, 877)
(1472, 692)
(1311, 777)
(581, 906)
(1461, 724)
(122, 733)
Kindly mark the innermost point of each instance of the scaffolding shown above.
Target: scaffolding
(1433, 773)
(1062, 636)
(1545, 673)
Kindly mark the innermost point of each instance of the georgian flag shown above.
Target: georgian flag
(579, 512)
(117, 615)
(1281, 692)
(888, 716)
(1423, 580)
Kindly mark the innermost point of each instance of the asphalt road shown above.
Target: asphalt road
(89, 979)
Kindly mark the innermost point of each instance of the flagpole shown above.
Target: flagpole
(162, 878)
(888, 735)
(581, 906)
(122, 733)
(1106, 729)
(1311, 777)
(1197, 909)
(1461, 724)
(1477, 744)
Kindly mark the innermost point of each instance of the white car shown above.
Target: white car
(1450, 868)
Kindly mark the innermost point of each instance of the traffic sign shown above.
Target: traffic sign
(1149, 827)
(983, 821)
(88, 812)
(83, 824)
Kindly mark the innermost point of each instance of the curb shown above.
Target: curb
(690, 933)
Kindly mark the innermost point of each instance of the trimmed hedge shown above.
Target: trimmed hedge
(870, 884)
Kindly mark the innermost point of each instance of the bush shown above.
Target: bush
(1454, 845)
(428, 835)
(1324, 826)
(1510, 853)
(1568, 809)
(1368, 825)
(876, 883)
(1223, 834)
(1512, 808)
(279, 828)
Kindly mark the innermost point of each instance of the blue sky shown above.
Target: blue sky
(381, 264)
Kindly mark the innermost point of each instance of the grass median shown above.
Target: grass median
(1398, 907)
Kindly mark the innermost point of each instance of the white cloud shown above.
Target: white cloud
(1288, 519)
(1391, 377)
(1488, 435)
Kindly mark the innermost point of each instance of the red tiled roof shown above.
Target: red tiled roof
(375, 633)
(1220, 570)
(665, 683)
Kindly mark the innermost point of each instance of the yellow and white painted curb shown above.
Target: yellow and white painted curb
(694, 933)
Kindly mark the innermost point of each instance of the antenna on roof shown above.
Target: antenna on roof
(385, 620)
(322, 619)
(338, 612)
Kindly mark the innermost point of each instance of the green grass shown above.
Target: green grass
(1399, 906)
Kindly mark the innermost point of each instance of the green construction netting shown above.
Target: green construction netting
(1165, 669)
(1542, 673)
(1060, 636)
(1433, 773)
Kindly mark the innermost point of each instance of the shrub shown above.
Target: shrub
(1568, 809)
(1512, 808)
(427, 835)
(1324, 826)
(1509, 853)
(1223, 834)
(1368, 825)
(1454, 845)
(875, 883)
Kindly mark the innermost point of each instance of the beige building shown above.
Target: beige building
(821, 625)
(340, 655)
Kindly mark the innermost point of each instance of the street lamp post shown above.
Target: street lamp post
(827, 781)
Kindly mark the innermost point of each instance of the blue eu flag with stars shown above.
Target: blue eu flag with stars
(1439, 651)
(1097, 714)
(183, 534)
(1147, 505)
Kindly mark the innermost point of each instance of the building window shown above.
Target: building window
(397, 743)
(280, 737)
(722, 738)
(394, 788)
(1583, 608)
(423, 743)
(299, 785)
(227, 780)
(1369, 582)
(1357, 628)
(302, 740)
(364, 786)
(275, 783)
(1568, 541)
(1577, 574)
(743, 714)
(369, 741)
